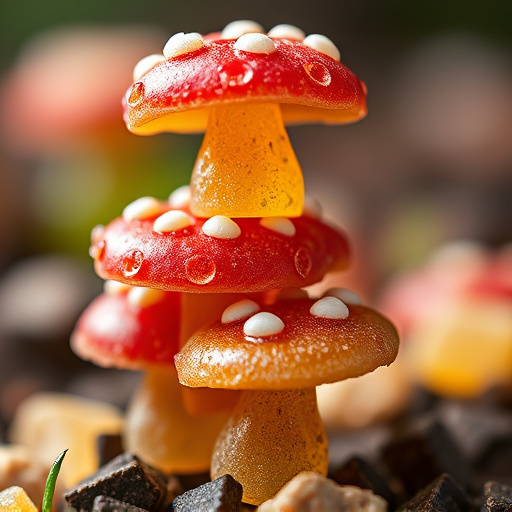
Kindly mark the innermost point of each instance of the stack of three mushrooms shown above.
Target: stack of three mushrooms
(238, 244)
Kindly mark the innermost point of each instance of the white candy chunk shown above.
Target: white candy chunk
(263, 324)
(173, 220)
(143, 297)
(255, 43)
(181, 43)
(347, 296)
(329, 307)
(145, 64)
(312, 208)
(141, 209)
(239, 310)
(287, 32)
(235, 29)
(281, 225)
(323, 45)
(220, 226)
(180, 197)
(115, 287)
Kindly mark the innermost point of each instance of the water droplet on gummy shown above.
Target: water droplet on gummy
(136, 94)
(303, 262)
(132, 261)
(200, 269)
(318, 72)
(235, 73)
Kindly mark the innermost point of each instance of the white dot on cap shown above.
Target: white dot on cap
(141, 209)
(145, 64)
(347, 296)
(143, 297)
(322, 44)
(238, 28)
(281, 225)
(287, 32)
(115, 287)
(221, 226)
(239, 310)
(173, 220)
(329, 307)
(180, 197)
(181, 43)
(263, 324)
(255, 43)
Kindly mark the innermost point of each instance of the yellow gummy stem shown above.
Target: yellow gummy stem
(246, 166)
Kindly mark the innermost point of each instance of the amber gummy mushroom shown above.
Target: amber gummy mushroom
(277, 354)
(241, 86)
(139, 328)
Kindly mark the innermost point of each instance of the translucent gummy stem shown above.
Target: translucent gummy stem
(163, 433)
(270, 437)
(246, 166)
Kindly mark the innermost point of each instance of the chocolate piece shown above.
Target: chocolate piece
(497, 497)
(110, 446)
(127, 479)
(359, 473)
(419, 457)
(106, 504)
(442, 495)
(222, 495)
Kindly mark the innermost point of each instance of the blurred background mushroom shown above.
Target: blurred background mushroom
(431, 163)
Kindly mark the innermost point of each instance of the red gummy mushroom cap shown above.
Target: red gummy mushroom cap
(307, 343)
(258, 256)
(310, 86)
(129, 327)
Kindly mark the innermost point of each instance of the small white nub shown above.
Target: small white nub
(312, 208)
(141, 209)
(239, 310)
(281, 225)
(143, 297)
(115, 287)
(287, 32)
(255, 43)
(235, 29)
(263, 324)
(347, 296)
(329, 307)
(180, 197)
(322, 44)
(172, 220)
(181, 43)
(145, 64)
(220, 226)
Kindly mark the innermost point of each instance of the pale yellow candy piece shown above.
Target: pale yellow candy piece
(15, 499)
(465, 350)
(271, 437)
(49, 423)
(246, 166)
(163, 433)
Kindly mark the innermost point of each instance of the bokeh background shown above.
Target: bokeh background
(431, 163)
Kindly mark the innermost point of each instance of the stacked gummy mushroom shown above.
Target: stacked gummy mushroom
(233, 245)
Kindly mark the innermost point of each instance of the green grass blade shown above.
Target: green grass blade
(49, 489)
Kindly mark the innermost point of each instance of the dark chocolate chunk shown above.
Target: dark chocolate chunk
(127, 479)
(358, 472)
(222, 495)
(109, 446)
(106, 504)
(442, 495)
(418, 457)
(497, 497)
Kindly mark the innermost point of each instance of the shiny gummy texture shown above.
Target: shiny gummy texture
(311, 86)
(308, 352)
(189, 260)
